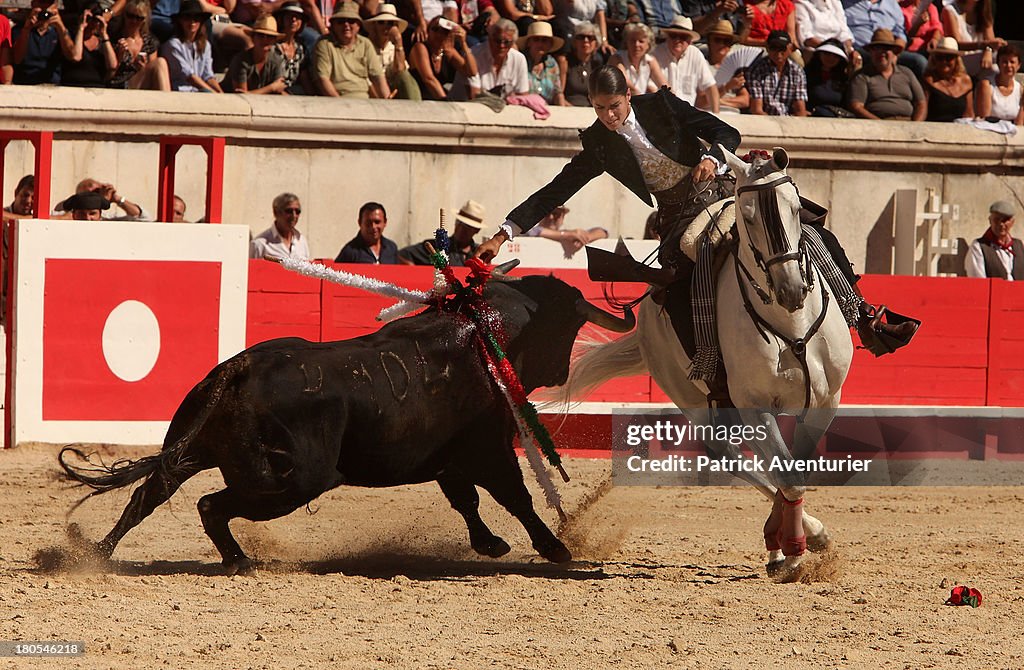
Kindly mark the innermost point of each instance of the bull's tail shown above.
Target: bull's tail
(599, 362)
(102, 477)
(176, 462)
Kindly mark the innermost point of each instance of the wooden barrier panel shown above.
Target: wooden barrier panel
(947, 365)
(1006, 343)
(281, 304)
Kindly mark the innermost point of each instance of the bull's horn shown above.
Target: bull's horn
(499, 271)
(599, 317)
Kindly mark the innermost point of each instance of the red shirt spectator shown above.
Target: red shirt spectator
(930, 31)
(771, 15)
(6, 71)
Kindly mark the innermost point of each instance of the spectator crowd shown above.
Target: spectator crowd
(936, 60)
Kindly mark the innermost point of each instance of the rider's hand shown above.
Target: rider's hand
(489, 249)
(704, 171)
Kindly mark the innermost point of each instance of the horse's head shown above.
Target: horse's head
(768, 217)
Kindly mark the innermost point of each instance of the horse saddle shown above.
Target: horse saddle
(621, 266)
(714, 222)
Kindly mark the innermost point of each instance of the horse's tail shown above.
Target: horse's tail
(176, 462)
(597, 362)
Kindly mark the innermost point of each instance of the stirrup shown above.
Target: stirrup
(883, 331)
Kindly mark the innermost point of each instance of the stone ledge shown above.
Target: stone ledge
(469, 127)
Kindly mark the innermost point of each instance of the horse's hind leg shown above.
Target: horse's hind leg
(466, 501)
(155, 491)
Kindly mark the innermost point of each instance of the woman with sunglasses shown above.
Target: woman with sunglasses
(583, 59)
(290, 21)
(947, 86)
(138, 64)
(435, 62)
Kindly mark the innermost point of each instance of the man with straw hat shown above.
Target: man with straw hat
(385, 29)
(468, 222)
(729, 61)
(259, 69)
(344, 60)
(891, 91)
(686, 69)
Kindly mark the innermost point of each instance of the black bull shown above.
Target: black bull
(287, 420)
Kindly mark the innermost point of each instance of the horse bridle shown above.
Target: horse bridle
(778, 241)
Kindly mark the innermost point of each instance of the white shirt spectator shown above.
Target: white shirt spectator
(269, 242)
(513, 76)
(974, 262)
(639, 78)
(571, 13)
(821, 19)
(432, 8)
(1006, 106)
(687, 76)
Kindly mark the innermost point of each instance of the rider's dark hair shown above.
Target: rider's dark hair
(607, 80)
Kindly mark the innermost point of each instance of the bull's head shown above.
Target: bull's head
(543, 315)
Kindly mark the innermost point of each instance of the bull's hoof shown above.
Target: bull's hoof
(555, 552)
(242, 565)
(493, 547)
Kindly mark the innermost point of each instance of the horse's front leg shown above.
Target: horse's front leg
(784, 530)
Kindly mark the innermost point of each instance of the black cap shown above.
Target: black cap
(86, 200)
(778, 38)
(191, 8)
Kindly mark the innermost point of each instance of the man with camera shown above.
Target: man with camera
(42, 39)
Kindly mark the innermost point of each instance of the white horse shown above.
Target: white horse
(784, 341)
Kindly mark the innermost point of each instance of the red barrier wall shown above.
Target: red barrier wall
(967, 323)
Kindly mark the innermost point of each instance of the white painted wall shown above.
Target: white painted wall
(418, 157)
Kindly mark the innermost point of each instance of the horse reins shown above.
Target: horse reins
(779, 246)
(775, 233)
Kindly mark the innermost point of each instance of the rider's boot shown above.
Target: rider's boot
(881, 335)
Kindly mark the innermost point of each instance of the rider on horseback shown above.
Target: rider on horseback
(652, 145)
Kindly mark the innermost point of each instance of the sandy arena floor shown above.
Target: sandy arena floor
(386, 579)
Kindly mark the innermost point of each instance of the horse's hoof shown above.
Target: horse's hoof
(820, 542)
(240, 566)
(494, 548)
(556, 552)
(791, 570)
(773, 568)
